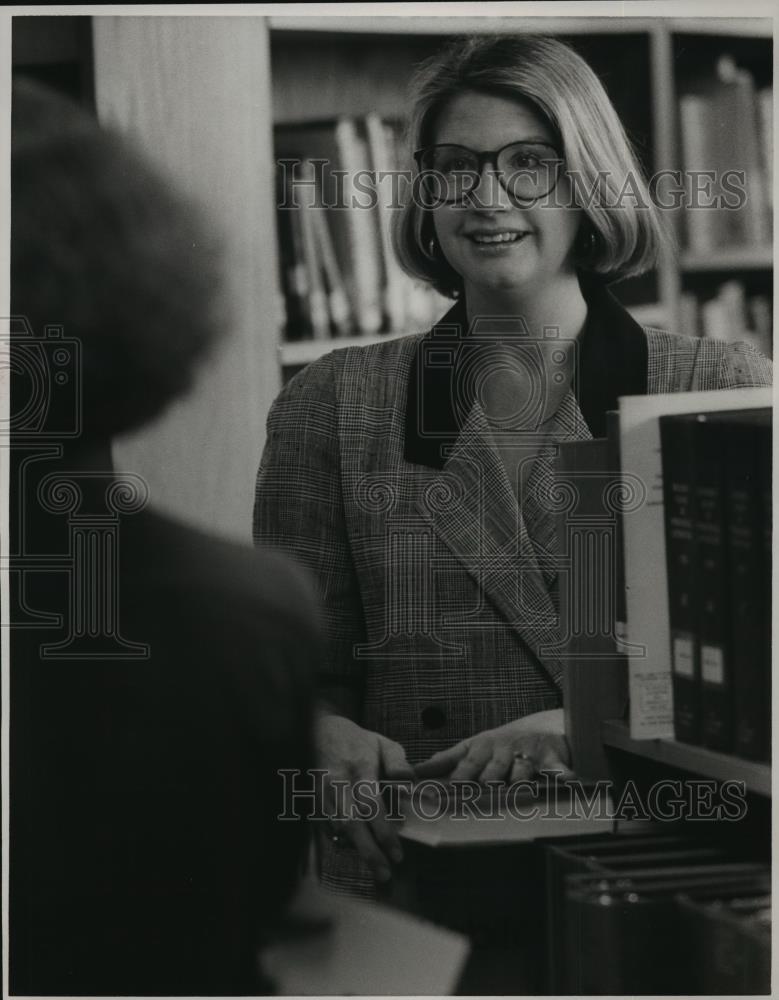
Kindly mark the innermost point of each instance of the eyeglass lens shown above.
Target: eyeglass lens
(528, 171)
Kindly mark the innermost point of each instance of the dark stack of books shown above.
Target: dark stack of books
(717, 496)
(638, 914)
(728, 935)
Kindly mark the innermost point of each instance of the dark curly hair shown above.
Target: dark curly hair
(102, 247)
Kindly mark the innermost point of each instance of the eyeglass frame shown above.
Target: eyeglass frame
(489, 157)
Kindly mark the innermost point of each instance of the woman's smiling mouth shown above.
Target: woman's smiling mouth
(496, 238)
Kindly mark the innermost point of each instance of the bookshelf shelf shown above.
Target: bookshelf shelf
(758, 258)
(302, 352)
(697, 760)
(748, 27)
(649, 314)
(421, 25)
(754, 27)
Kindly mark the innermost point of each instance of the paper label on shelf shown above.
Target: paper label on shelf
(712, 665)
(684, 656)
(651, 704)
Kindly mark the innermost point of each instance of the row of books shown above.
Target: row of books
(656, 914)
(636, 907)
(338, 189)
(671, 518)
(730, 314)
(726, 125)
(717, 496)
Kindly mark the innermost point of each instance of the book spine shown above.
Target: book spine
(695, 128)
(317, 297)
(594, 671)
(381, 158)
(711, 573)
(678, 453)
(294, 277)
(730, 156)
(765, 464)
(620, 602)
(747, 139)
(690, 314)
(337, 299)
(361, 228)
(761, 316)
(745, 555)
(714, 320)
(765, 115)
(732, 296)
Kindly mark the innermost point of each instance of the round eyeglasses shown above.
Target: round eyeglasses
(450, 174)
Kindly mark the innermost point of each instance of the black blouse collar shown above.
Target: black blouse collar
(612, 362)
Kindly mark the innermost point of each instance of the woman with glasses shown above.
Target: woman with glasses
(410, 476)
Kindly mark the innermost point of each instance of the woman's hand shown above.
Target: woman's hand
(518, 750)
(349, 754)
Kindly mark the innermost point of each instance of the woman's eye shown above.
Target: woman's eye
(455, 164)
(525, 161)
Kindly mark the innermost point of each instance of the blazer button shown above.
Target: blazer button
(433, 717)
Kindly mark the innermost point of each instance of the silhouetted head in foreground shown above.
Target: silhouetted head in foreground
(103, 248)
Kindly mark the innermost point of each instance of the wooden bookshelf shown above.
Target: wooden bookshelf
(454, 25)
(320, 67)
(758, 258)
(686, 757)
(325, 66)
(748, 27)
(303, 352)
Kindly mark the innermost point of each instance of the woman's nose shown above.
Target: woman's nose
(489, 193)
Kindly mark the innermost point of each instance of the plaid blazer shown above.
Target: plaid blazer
(437, 586)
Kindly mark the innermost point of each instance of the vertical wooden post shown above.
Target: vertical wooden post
(194, 93)
(664, 112)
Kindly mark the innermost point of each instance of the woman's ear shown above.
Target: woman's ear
(585, 245)
(428, 240)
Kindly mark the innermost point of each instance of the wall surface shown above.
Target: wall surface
(195, 94)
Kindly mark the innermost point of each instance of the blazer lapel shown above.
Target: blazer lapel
(538, 500)
(472, 508)
(511, 549)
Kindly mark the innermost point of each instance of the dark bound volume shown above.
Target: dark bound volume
(294, 279)
(766, 521)
(625, 934)
(678, 450)
(747, 447)
(568, 857)
(728, 935)
(594, 671)
(660, 862)
(716, 671)
(614, 464)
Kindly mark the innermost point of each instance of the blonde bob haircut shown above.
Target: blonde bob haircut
(622, 231)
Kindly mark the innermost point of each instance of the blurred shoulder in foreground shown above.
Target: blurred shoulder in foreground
(160, 677)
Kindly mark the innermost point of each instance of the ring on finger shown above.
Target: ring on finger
(336, 838)
(521, 755)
